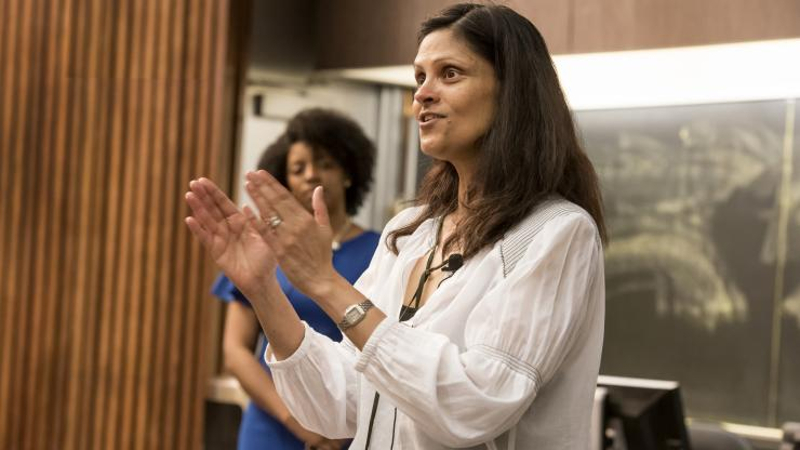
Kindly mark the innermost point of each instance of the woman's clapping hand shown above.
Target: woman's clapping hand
(301, 242)
(232, 236)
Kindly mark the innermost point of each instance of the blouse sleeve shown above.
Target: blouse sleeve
(515, 339)
(318, 382)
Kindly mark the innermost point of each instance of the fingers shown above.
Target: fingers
(261, 201)
(224, 204)
(266, 231)
(264, 207)
(204, 199)
(197, 230)
(255, 222)
(274, 197)
(320, 209)
(202, 215)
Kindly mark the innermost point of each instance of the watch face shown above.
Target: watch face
(353, 313)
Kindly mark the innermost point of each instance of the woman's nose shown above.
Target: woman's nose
(426, 93)
(311, 172)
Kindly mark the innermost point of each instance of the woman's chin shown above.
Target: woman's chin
(431, 148)
(438, 153)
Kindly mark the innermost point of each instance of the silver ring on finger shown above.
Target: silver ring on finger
(274, 221)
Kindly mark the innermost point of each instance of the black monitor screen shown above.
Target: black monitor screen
(641, 414)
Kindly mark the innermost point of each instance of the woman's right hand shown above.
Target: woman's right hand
(230, 235)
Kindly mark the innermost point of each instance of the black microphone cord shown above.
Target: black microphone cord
(451, 264)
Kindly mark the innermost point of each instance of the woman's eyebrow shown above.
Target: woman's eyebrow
(440, 60)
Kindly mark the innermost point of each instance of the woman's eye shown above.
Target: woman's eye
(450, 73)
(420, 79)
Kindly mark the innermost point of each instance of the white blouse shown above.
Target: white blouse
(503, 355)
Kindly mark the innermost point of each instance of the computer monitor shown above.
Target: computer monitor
(642, 414)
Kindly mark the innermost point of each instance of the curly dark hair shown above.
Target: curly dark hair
(337, 135)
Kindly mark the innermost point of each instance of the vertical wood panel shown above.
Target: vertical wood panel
(40, 208)
(139, 383)
(55, 159)
(21, 215)
(6, 305)
(108, 304)
(63, 397)
(135, 206)
(107, 110)
(168, 270)
(189, 361)
(185, 121)
(638, 24)
(82, 311)
(100, 76)
(5, 301)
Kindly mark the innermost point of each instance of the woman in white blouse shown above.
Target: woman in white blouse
(495, 347)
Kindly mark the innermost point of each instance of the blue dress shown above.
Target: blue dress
(259, 430)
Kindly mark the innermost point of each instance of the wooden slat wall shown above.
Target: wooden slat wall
(107, 110)
(366, 33)
(638, 24)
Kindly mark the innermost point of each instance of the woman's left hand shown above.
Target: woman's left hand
(301, 242)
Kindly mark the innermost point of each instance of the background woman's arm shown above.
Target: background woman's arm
(238, 342)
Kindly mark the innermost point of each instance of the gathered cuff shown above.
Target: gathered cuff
(374, 341)
(295, 358)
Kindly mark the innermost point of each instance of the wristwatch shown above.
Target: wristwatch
(354, 314)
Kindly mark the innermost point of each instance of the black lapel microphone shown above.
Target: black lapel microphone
(451, 264)
(454, 262)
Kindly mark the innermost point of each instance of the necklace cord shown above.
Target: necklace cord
(415, 299)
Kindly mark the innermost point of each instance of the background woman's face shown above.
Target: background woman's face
(306, 169)
(455, 98)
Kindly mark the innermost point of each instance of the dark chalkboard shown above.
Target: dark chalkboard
(702, 206)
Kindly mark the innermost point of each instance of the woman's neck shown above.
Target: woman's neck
(465, 171)
(339, 220)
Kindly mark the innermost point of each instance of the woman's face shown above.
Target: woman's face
(307, 169)
(455, 99)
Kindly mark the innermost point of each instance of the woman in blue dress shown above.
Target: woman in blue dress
(319, 148)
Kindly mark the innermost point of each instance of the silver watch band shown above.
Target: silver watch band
(354, 314)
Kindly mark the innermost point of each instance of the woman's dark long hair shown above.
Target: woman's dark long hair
(531, 150)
